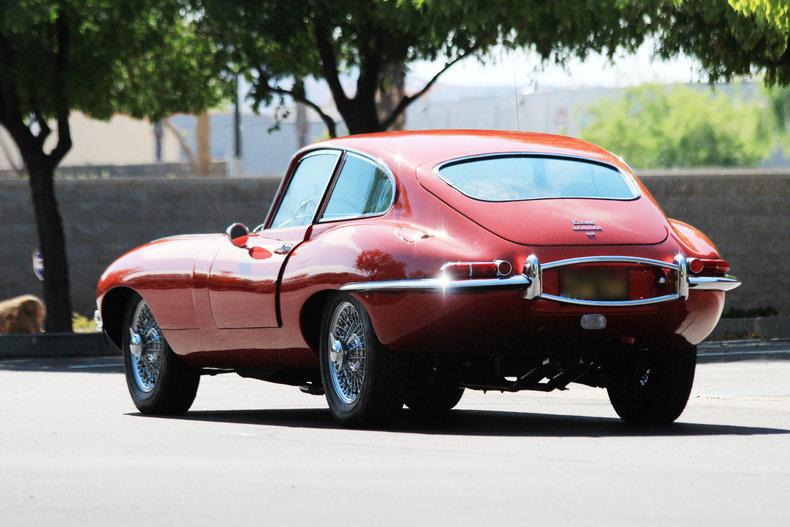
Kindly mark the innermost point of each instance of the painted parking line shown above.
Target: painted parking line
(90, 366)
(744, 352)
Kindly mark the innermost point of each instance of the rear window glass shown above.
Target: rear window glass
(515, 178)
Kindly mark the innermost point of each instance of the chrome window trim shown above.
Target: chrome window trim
(378, 164)
(628, 178)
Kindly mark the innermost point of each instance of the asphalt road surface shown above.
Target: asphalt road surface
(73, 451)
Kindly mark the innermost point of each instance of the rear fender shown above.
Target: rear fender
(693, 240)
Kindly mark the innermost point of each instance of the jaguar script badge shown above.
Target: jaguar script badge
(589, 227)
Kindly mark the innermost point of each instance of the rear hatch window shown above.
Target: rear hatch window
(515, 178)
(543, 200)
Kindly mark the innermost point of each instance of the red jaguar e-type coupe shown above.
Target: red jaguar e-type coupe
(403, 268)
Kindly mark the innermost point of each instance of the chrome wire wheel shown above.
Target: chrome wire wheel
(146, 348)
(347, 352)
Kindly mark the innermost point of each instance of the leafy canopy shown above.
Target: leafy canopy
(656, 126)
(775, 13)
(729, 38)
(142, 58)
(278, 43)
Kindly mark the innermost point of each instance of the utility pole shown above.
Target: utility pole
(236, 169)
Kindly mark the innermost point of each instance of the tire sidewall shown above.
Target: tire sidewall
(347, 412)
(141, 399)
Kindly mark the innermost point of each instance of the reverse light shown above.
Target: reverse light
(471, 270)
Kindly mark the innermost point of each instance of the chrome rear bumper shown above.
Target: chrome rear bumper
(531, 281)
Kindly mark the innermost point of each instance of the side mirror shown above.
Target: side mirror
(238, 234)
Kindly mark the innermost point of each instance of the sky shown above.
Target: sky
(595, 70)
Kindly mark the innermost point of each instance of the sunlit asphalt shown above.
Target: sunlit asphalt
(74, 451)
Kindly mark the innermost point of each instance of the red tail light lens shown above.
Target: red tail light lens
(708, 266)
(695, 265)
(468, 270)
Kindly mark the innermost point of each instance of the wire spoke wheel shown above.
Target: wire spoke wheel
(146, 348)
(347, 352)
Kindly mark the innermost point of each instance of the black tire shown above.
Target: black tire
(380, 397)
(434, 401)
(176, 383)
(661, 396)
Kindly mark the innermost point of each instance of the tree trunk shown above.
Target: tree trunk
(361, 116)
(52, 244)
(203, 133)
(392, 88)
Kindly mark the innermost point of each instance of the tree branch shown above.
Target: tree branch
(329, 65)
(299, 97)
(61, 97)
(408, 99)
(44, 129)
(10, 113)
(181, 142)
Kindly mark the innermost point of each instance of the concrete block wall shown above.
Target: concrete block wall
(746, 213)
(104, 218)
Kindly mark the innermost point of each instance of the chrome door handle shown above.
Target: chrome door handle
(283, 249)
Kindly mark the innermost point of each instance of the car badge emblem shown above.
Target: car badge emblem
(588, 227)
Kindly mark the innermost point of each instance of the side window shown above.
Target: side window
(362, 189)
(305, 190)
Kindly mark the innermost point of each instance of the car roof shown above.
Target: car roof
(401, 150)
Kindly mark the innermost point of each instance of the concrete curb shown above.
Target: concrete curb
(758, 327)
(44, 345)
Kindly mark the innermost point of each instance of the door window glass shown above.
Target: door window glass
(362, 189)
(305, 190)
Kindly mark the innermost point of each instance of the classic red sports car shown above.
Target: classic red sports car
(403, 268)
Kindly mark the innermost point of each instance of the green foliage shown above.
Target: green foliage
(739, 37)
(775, 13)
(779, 114)
(274, 42)
(83, 324)
(656, 126)
(142, 58)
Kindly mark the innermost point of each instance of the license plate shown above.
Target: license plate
(594, 284)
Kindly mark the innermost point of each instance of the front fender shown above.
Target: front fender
(163, 273)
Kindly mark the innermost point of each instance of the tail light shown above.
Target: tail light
(470, 270)
(708, 266)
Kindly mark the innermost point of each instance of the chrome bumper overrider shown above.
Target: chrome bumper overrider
(531, 281)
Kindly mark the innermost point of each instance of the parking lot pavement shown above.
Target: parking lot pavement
(74, 451)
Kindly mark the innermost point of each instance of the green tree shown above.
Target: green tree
(774, 13)
(655, 126)
(353, 44)
(779, 114)
(98, 57)
(729, 38)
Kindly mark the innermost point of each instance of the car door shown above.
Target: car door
(243, 281)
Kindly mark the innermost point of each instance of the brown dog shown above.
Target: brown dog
(22, 314)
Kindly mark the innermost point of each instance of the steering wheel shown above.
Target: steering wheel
(300, 211)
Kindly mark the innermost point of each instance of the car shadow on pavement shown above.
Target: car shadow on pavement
(480, 423)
